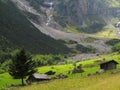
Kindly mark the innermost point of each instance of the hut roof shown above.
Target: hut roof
(41, 76)
(109, 62)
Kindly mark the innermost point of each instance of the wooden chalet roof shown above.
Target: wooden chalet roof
(109, 62)
(41, 76)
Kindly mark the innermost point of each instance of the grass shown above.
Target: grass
(89, 40)
(79, 81)
(89, 66)
(71, 28)
(104, 81)
(106, 32)
(114, 20)
(7, 80)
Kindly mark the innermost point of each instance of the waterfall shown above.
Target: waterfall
(49, 12)
(118, 24)
(118, 28)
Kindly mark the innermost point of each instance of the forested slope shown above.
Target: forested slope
(17, 32)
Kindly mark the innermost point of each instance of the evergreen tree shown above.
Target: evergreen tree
(21, 65)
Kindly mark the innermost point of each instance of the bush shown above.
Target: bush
(5, 65)
(116, 48)
(113, 42)
(78, 69)
(72, 42)
(83, 49)
(42, 60)
(50, 72)
(89, 39)
(1, 71)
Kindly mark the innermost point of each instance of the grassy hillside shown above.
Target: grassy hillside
(6, 80)
(89, 66)
(78, 81)
(16, 32)
(100, 82)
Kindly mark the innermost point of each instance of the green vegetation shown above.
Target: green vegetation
(71, 42)
(42, 60)
(32, 17)
(94, 24)
(116, 47)
(115, 43)
(7, 80)
(97, 25)
(4, 56)
(36, 4)
(112, 42)
(21, 65)
(87, 20)
(17, 31)
(89, 40)
(114, 20)
(106, 32)
(89, 66)
(71, 28)
(87, 49)
(105, 81)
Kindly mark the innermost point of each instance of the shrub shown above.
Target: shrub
(87, 49)
(113, 42)
(116, 48)
(78, 69)
(89, 39)
(50, 72)
(1, 71)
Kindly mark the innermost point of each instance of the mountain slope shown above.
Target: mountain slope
(88, 16)
(40, 12)
(16, 31)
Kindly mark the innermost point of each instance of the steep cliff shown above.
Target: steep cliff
(88, 16)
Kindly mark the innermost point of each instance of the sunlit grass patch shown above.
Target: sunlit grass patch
(106, 32)
(105, 81)
(7, 80)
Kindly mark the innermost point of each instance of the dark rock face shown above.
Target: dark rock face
(75, 11)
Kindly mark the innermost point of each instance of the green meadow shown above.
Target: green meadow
(78, 80)
(7, 80)
(106, 81)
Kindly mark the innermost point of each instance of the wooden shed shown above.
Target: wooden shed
(108, 65)
(37, 78)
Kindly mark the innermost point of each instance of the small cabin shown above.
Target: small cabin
(37, 78)
(109, 65)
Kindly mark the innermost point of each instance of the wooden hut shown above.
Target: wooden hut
(37, 78)
(108, 65)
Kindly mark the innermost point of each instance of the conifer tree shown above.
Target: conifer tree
(21, 65)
